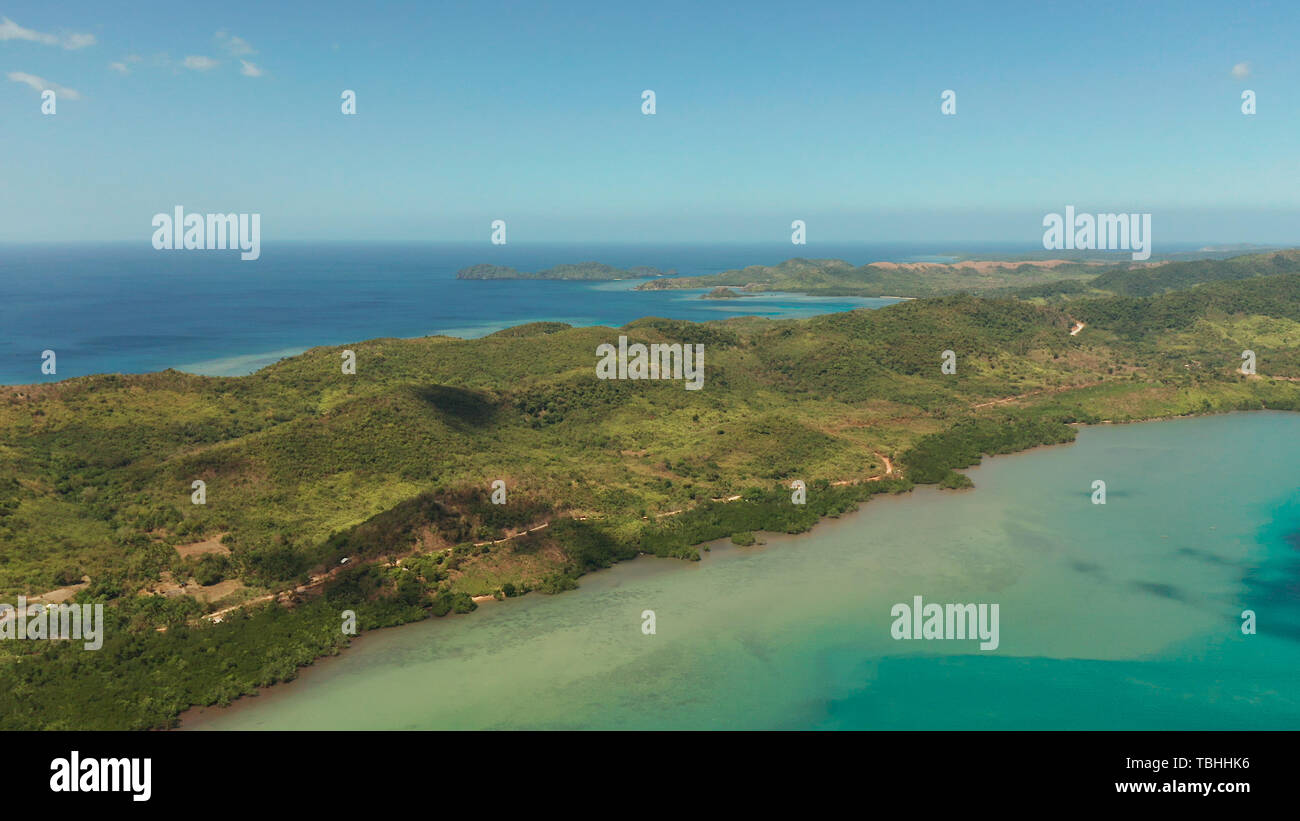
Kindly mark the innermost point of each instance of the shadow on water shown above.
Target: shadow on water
(1167, 591)
(1272, 588)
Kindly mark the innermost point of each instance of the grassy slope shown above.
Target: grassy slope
(305, 465)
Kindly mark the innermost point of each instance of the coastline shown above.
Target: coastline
(917, 434)
(188, 719)
(434, 303)
(247, 364)
(710, 551)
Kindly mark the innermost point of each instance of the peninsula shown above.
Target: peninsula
(597, 271)
(1024, 278)
(376, 492)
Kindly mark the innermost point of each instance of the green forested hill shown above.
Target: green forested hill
(1148, 281)
(305, 465)
(1026, 279)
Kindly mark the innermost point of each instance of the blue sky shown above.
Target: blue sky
(766, 112)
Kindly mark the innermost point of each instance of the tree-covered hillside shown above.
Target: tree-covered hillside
(394, 468)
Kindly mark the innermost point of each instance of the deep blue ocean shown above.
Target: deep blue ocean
(127, 308)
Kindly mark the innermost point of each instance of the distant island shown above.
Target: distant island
(372, 492)
(1023, 278)
(721, 292)
(594, 271)
(836, 277)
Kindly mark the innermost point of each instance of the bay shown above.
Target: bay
(126, 308)
(1125, 615)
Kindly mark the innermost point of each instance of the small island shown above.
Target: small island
(591, 271)
(721, 292)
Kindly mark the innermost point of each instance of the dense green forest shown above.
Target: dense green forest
(373, 492)
(1149, 281)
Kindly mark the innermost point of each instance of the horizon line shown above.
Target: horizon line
(1037, 245)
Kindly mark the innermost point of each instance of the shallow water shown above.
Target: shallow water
(1123, 615)
(126, 308)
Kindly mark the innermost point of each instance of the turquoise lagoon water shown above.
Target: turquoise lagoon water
(126, 308)
(1123, 615)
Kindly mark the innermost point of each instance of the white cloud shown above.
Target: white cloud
(41, 84)
(122, 67)
(75, 41)
(234, 46)
(250, 69)
(9, 30)
(1241, 71)
(200, 63)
